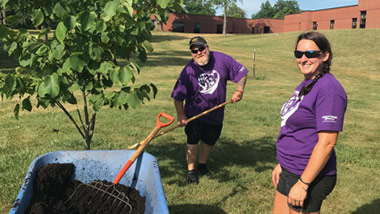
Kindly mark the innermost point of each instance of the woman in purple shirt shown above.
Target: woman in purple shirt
(310, 122)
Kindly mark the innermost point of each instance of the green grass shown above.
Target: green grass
(245, 155)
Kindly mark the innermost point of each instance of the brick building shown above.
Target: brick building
(366, 14)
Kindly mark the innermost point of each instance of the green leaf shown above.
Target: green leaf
(111, 8)
(16, 110)
(42, 50)
(10, 83)
(106, 67)
(74, 87)
(135, 67)
(70, 22)
(12, 48)
(125, 75)
(59, 11)
(105, 38)
(100, 26)
(50, 86)
(155, 90)
(109, 95)
(26, 104)
(128, 5)
(76, 63)
(163, 3)
(26, 60)
(147, 46)
(121, 99)
(97, 102)
(114, 76)
(37, 17)
(61, 32)
(87, 21)
(133, 100)
(95, 52)
(70, 98)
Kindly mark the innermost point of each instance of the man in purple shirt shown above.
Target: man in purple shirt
(201, 86)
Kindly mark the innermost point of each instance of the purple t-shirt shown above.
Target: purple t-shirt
(203, 87)
(322, 109)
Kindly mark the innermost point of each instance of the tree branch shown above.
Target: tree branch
(71, 118)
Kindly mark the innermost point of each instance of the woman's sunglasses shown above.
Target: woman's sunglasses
(308, 54)
(195, 51)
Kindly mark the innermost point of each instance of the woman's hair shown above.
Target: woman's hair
(323, 44)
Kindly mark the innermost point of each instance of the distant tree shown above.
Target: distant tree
(225, 4)
(278, 11)
(286, 7)
(266, 11)
(199, 7)
(236, 12)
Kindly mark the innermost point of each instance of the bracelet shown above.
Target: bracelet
(239, 91)
(300, 179)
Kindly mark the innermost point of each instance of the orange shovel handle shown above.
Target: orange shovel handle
(144, 144)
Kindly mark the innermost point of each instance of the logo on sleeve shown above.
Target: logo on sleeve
(208, 82)
(329, 119)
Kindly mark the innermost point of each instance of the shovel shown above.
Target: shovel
(144, 143)
(188, 120)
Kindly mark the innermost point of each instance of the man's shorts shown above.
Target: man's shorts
(197, 130)
(318, 190)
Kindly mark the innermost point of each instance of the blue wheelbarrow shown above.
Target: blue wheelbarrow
(142, 174)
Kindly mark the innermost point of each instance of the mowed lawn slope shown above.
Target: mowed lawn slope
(243, 159)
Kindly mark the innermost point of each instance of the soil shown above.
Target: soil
(56, 193)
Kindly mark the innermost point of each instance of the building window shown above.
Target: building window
(266, 29)
(363, 15)
(178, 27)
(197, 28)
(219, 28)
(354, 23)
(332, 22)
(315, 26)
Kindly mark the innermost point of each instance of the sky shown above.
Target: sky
(253, 6)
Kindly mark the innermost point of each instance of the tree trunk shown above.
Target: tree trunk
(225, 20)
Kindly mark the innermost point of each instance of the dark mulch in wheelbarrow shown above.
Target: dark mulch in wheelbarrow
(53, 187)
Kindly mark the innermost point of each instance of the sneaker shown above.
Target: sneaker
(203, 170)
(192, 177)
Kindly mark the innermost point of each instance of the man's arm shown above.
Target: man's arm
(238, 95)
(181, 117)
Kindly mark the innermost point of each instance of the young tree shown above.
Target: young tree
(80, 57)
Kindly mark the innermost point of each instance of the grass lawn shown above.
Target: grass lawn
(243, 159)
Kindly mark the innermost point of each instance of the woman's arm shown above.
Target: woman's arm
(318, 159)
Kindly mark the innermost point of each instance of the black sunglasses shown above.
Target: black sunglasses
(308, 54)
(195, 51)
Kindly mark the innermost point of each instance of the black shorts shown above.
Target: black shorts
(197, 130)
(318, 190)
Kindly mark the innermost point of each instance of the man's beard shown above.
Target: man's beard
(203, 60)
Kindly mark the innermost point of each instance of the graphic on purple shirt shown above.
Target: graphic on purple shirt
(203, 87)
(322, 109)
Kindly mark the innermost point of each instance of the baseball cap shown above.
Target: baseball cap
(200, 41)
